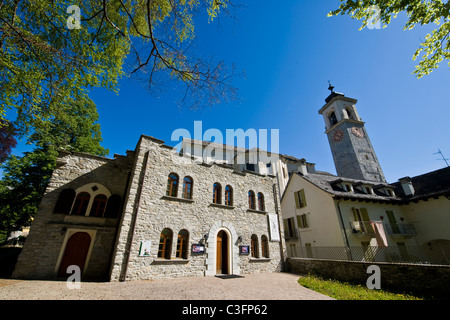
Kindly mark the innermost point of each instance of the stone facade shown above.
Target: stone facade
(141, 181)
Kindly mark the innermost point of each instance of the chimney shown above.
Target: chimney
(407, 186)
(302, 167)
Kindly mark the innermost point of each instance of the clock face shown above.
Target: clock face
(338, 135)
(358, 132)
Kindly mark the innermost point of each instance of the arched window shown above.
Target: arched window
(261, 206)
(265, 246)
(228, 196)
(350, 113)
(251, 199)
(217, 190)
(332, 118)
(65, 201)
(187, 188)
(98, 206)
(172, 185)
(254, 245)
(165, 244)
(113, 206)
(81, 204)
(182, 244)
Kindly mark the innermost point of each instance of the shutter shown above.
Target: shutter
(364, 214)
(303, 198)
(286, 229)
(299, 222)
(297, 201)
(355, 214)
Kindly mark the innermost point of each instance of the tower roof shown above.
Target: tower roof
(332, 94)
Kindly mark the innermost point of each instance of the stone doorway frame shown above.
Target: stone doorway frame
(233, 249)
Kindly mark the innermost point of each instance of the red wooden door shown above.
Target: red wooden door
(75, 252)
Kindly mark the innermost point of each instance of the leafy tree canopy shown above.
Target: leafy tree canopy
(7, 139)
(73, 128)
(436, 46)
(50, 50)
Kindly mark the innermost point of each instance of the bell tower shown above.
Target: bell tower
(353, 154)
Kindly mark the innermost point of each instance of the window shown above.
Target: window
(332, 118)
(182, 244)
(289, 228)
(187, 188)
(172, 185)
(228, 196)
(113, 206)
(65, 201)
(265, 246)
(81, 204)
(300, 199)
(350, 113)
(98, 206)
(261, 206)
(217, 190)
(301, 221)
(361, 215)
(251, 199)
(254, 245)
(165, 244)
(250, 166)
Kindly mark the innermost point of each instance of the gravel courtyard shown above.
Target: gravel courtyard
(265, 286)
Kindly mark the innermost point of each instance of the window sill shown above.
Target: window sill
(217, 205)
(170, 261)
(177, 199)
(259, 259)
(256, 211)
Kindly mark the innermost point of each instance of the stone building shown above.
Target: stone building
(153, 213)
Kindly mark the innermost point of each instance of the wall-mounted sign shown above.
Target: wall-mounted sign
(198, 248)
(144, 250)
(244, 250)
(273, 227)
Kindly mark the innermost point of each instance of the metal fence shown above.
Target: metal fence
(438, 254)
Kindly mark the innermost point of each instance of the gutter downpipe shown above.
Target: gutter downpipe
(349, 252)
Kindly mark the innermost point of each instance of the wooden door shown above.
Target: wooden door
(222, 253)
(75, 253)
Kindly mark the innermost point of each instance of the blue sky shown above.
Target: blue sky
(289, 51)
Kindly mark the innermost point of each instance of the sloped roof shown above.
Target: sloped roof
(427, 185)
(329, 183)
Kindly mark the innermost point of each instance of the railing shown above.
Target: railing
(438, 254)
(401, 229)
(362, 228)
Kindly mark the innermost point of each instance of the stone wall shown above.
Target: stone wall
(149, 211)
(49, 232)
(423, 279)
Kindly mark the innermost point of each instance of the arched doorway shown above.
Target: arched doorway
(222, 253)
(75, 253)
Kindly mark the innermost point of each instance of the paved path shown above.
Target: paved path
(265, 286)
